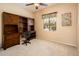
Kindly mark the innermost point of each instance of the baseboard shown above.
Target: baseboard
(64, 43)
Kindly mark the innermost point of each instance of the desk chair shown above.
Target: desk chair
(27, 37)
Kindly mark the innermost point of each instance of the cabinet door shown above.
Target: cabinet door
(10, 30)
(11, 40)
(10, 18)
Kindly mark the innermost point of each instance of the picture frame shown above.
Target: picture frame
(66, 19)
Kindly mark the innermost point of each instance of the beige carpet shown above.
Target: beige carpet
(39, 48)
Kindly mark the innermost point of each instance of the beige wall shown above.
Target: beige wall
(65, 34)
(15, 9)
(78, 30)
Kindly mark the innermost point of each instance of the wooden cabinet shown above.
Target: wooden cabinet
(11, 40)
(10, 30)
(13, 27)
(10, 18)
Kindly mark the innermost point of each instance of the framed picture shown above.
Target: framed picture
(66, 19)
(49, 21)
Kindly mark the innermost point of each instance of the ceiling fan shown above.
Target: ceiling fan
(36, 4)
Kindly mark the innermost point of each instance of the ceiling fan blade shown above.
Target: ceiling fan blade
(43, 4)
(29, 4)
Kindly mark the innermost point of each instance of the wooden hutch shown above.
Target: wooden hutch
(13, 27)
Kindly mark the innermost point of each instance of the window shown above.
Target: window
(49, 21)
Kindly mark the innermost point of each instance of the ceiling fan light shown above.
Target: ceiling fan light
(36, 4)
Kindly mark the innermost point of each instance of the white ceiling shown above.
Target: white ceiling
(31, 8)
